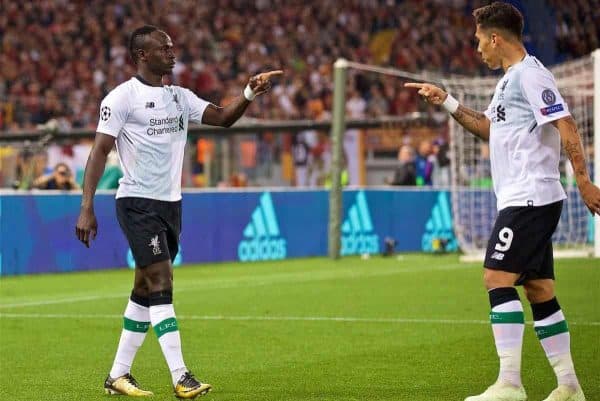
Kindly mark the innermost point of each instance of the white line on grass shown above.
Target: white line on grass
(269, 318)
(248, 281)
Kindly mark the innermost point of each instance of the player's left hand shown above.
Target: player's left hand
(591, 197)
(261, 83)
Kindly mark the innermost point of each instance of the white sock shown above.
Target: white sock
(165, 326)
(136, 321)
(554, 336)
(508, 327)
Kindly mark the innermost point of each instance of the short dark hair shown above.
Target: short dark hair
(136, 41)
(500, 15)
(61, 164)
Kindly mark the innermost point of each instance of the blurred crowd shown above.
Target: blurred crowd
(577, 26)
(59, 58)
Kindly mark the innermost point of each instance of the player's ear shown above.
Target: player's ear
(141, 54)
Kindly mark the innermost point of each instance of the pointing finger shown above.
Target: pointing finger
(414, 85)
(267, 75)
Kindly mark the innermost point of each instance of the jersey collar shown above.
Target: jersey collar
(520, 61)
(143, 81)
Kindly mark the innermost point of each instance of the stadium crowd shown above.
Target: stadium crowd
(59, 58)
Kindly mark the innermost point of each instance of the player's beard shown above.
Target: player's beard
(163, 69)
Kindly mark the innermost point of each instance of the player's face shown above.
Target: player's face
(486, 46)
(159, 56)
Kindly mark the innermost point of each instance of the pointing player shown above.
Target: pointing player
(148, 121)
(524, 124)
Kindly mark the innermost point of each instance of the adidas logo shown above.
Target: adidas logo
(439, 226)
(262, 238)
(357, 229)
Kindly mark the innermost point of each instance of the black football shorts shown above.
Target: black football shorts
(521, 241)
(152, 228)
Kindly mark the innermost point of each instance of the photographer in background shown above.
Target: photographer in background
(61, 178)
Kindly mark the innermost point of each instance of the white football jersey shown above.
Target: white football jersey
(524, 148)
(150, 124)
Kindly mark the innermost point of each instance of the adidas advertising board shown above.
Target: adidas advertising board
(262, 240)
(439, 226)
(358, 236)
(225, 226)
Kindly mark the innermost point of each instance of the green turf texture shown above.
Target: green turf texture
(413, 328)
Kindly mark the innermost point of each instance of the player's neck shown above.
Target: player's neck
(148, 78)
(513, 56)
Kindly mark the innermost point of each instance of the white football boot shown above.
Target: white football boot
(566, 393)
(500, 391)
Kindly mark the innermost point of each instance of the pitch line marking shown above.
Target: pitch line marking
(342, 319)
(249, 281)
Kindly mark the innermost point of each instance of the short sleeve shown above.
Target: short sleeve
(114, 111)
(539, 88)
(196, 105)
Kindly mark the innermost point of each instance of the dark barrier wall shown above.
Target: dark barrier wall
(37, 230)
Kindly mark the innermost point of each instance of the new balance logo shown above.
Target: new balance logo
(357, 229)
(262, 237)
(438, 228)
(497, 256)
(149, 105)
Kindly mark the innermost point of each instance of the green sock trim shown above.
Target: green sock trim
(166, 326)
(133, 325)
(552, 330)
(507, 317)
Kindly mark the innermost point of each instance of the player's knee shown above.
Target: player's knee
(538, 292)
(158, 278)
(141, 288)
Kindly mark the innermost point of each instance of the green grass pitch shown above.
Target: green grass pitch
(408, 328)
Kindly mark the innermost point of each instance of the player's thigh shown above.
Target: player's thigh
(499, 278)
(173, 220)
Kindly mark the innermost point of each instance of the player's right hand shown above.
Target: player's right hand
(431, 93)
(86, 227)
(591, 197)
(262, 82)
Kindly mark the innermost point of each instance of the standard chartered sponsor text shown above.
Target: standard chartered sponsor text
(172, 126)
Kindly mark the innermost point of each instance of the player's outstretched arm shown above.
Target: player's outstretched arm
(87, 225)
(473, 121)
(572, 143)
(226, 116)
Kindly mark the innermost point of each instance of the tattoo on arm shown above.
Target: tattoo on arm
(473, 121)
(574, 149)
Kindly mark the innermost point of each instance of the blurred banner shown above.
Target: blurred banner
(37, 231)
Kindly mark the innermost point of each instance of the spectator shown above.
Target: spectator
(406, 172)
(300, 154)
(424, 163)
(61, 178)
(441, 163)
